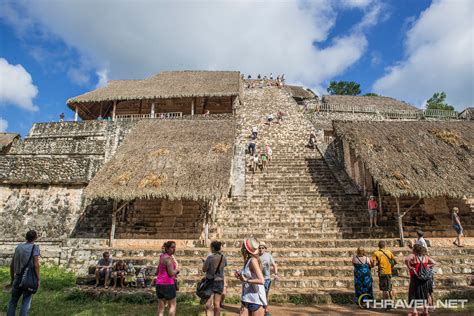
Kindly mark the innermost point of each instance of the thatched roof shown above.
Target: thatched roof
(385, 104)
(424, 159)
(169, 84)
(6, 139)
(467, 113)
(169, 159)
(299, 92)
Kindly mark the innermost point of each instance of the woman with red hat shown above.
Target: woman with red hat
(253, 290)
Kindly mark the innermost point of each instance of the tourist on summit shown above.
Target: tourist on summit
(214, 267)
(103, 269)
(267, 262)
(271, 76)
(457, 227)
(254, 132)
(61, 117)
(372, 207)
(421, 278)
(249, 77)
(362, 276)
(385, 260)
(165, 280)
(259, 77)
(253, 290)
(24, 254)
(269, 118)
(118, 272)
(269, 152)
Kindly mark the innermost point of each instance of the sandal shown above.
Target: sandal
(455, 243)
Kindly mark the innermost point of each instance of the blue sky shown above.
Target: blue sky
(408, 49)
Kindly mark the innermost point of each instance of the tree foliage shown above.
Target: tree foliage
(438, 102)
(344, 88)
(371, 94)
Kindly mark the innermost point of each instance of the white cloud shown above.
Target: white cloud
(103, 78)
(78, 76)
(16, 86)
(439, 57)
(3, 125)
(135, 41)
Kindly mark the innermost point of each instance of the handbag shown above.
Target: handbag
(204, 287)
(27, 280)
(424, 273)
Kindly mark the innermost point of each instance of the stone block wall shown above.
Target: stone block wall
(63, 129)
(59, 146)
(52, 210)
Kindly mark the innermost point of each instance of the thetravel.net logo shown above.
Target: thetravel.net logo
(366, 301)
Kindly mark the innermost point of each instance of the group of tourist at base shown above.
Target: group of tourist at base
(420, 266)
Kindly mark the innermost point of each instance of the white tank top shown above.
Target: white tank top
(252, 293)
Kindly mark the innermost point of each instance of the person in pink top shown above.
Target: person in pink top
(167, 272)
(372, 207)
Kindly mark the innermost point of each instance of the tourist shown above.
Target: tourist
(251, 147)
(61, 117)
(249, 77)
(457, 227)
(21, 258)
(165, 280)
(100, 118)
(420, 240)
(267, 262)
(141, 277)
(206, 113)
(264, 159)
(362, 276)
(255, 163)
(254, 132)
(259, 77)
(269, 118)
(271, 76)
(421, 278)
(385, 260)
(269, 152)
(103, 269)
(118, 272)
(253, 290)
(131, 277)
(265, 78)
(372, 207)
(279, 117)
(283, 79)
(214, 268)
(312, 140)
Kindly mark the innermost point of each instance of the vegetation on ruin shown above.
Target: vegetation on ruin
(344, 88)
(438, 102)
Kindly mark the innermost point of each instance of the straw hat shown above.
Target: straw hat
(251, 245)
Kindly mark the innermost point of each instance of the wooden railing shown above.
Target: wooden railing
(440, 113)
(163, 116)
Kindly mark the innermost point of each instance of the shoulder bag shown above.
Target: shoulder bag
(424, 273)
(27, 280)
(204, 287)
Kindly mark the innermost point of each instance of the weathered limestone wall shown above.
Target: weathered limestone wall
(51, 210)
(436, 205)
(80, 145)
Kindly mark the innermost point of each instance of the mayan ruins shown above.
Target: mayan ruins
(166, 158)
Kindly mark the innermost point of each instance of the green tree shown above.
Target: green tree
(344, 88)
(438, 102)
(371, 94)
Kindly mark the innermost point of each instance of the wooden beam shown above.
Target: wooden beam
(114, 110)
(379, 188)
(76, 114)
(414, 204)
(400, 223)
(115, 211)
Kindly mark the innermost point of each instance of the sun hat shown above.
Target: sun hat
(263, 244)
(251, 245)
(372, 197)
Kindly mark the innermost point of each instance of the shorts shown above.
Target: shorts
(385, 282)
(252, 307)
(372, 213)
(458, 229)
(166, 291)
(217, 287)
(267, 284)
(104, 271)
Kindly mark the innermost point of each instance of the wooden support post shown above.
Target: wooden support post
(76, 114)
(400, 223)
(380, 198)
(112, 229)
(152, 114)
(114, 109)
(192, 107)
(363, 179)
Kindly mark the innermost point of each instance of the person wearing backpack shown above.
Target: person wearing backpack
(421, 278)
(25, 263)
(385, 260)
(214, 266)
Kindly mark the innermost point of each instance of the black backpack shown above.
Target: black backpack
(27, 280)
(424, 273)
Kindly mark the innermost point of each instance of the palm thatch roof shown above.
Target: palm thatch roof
(169, 159)
(169, 84)
(381, 103)
(6, 139)
(299, 92)
(423, 159)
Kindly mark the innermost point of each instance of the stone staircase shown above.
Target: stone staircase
(311, 225)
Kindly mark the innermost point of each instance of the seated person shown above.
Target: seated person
(119, 272)
(141, 277)
(130, 277)
(103, 269)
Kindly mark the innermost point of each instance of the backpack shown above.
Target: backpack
(424, 273)
(27, 280)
